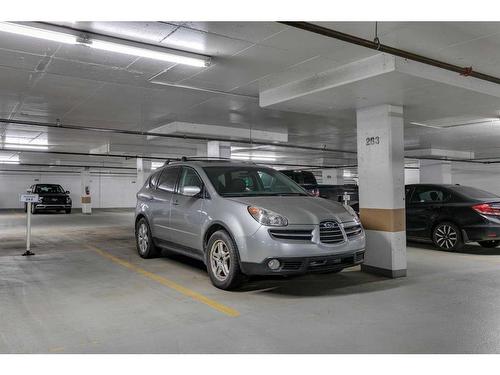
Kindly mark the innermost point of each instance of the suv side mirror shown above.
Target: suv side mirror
(191, 191)
(67, 192)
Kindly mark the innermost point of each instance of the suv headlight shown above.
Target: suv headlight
(351, 211)
(267, 217)
(68, 200)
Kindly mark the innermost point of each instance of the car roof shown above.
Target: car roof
(435, 185)
(213, 163)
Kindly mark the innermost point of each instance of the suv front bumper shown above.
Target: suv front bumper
(302, 265)
(42, 206)
(296, 255)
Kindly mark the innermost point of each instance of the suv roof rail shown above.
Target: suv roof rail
(210, 158)
(203, 158)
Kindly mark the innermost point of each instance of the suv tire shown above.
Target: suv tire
(144, 240)
(447, 236)
(223, 263)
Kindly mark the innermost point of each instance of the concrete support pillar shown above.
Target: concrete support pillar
(86, 193)
(217, 149)
(435, 171)
(333, 176)
(143, 171)
(381, 188)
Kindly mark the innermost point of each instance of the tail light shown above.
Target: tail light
(486, 209)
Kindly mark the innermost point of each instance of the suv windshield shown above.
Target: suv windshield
(49, 189)
(232, 181)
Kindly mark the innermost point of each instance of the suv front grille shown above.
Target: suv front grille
(291, 234)
(291, 265)
(353, 231)
(330, 232)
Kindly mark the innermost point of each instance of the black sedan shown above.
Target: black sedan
(452, 215)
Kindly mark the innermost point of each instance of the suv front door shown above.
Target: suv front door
(186, 215)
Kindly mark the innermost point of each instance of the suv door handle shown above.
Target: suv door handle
(175, 202)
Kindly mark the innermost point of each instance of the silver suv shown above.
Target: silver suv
(243, 219)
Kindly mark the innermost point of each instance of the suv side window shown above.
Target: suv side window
(189, 178)
(153, 180)
(168, 179)
(423, 194)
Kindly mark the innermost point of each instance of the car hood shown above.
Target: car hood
(300, 210)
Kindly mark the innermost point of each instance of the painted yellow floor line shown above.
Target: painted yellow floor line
(168, 283)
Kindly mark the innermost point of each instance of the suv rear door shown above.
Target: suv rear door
(160, 203)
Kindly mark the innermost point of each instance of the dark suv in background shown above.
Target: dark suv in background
(308, 181)
(452, 215)
(51, 197)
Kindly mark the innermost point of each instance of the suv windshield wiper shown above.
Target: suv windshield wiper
(290, 194)
(263, 194)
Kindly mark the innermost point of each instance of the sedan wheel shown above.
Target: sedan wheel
(447, 236)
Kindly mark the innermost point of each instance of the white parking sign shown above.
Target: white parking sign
(29, 198)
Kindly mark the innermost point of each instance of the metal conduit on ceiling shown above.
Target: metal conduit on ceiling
(376, 45)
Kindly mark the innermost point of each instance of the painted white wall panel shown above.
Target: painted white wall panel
(106, 191)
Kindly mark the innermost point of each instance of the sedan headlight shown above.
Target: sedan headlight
(267, 217)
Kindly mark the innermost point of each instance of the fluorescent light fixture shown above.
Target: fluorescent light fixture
(25, 146)
(34, 32)
(156, 164)
(164, 54)
(147, 53)
(454, 122)
(253, 157)
(11, 159)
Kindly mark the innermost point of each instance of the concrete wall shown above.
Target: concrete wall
(107, 191)
(412, 176)
(485, 177)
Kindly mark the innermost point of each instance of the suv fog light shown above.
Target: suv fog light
(274, 264)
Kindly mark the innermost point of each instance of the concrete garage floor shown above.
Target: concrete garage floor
(86, 291)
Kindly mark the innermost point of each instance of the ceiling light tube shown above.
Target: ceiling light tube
(34, 32)
(108, 44)
(147, 53)
(25, 146)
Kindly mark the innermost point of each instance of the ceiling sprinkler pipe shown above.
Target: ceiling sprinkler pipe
(376, 45)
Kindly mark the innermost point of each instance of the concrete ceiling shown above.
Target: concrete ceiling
(45, 81)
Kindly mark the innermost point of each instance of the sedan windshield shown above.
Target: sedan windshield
(233, 181)
(49, 189)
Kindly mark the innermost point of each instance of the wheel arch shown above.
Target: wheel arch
(214, 227)
(139, 217)
(463, 233)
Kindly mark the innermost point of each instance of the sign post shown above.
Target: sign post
(28, 199)
(346, 198)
